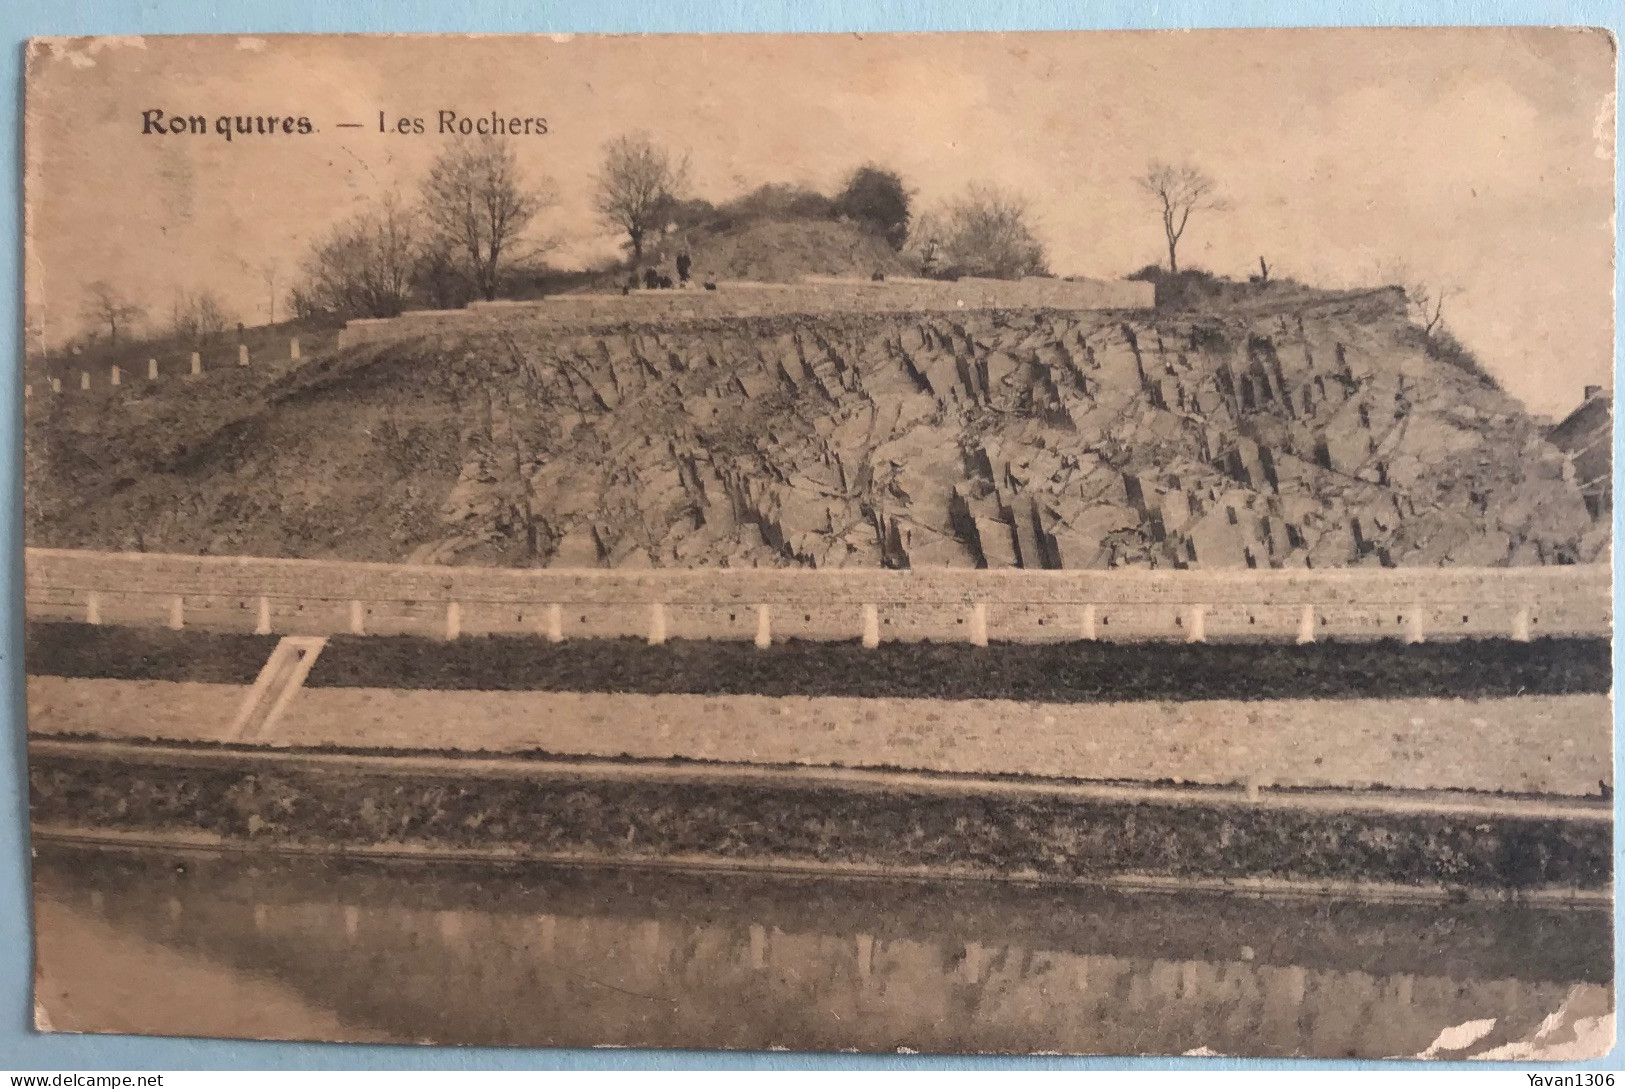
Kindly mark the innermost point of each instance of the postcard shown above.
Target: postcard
(1087, 543)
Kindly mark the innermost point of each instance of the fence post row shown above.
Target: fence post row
(116, 373)
(1568, 607)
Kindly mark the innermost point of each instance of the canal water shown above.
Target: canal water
(295, 947)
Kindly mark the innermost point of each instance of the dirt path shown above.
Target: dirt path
(1546, 745)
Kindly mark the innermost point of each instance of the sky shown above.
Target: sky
(1478, 160)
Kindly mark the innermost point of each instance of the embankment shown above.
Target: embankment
(836, 821)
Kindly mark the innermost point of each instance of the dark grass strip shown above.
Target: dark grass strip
(265, 798)
(144, 654)
(1056, 673)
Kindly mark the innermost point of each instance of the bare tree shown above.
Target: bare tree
(364, 266)
(198, 318)
(476, 201)
(1179, 191)
(268, 274)
(639, 186)
(108, 308)
(1425, 294)
(1426, 304)
(986, 232)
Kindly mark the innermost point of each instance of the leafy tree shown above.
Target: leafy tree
(778, 200)
(693, 212)
(876, 199)
(987, 232)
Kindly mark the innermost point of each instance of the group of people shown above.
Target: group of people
(653, 277)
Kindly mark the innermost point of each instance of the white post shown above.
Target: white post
(978, 625)
(358, 618)
(197, 364)
(84, 379)
(1196, 624)
(113, 376)
(262, 618)
(28, 390)
(764, 627)
(1520, 626)
(93, 608)
(152, 370)
(871, 626)
(555, 624)
(177, 613)
(293, 348)
(242, 355)
(1088, 622)
(454, 620)
(548, 932)
(56, 385)
(1306, 625)
(1413, 625)
(451, 925)
(657, 624)
(758, 946)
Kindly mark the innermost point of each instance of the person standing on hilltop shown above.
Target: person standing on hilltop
(684, 263)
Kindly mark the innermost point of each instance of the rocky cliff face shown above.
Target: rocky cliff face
(1311, 432)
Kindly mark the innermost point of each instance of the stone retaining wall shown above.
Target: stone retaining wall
(747, 300)
(956, 605)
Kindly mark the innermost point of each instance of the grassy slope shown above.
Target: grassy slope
(312, 459)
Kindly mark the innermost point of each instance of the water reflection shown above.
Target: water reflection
(543, 956)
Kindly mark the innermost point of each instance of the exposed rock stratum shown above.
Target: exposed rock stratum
(1311, 431)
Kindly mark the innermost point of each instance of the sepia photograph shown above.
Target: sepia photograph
(1085, 543)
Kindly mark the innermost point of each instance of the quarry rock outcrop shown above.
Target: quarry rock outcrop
(1311, 433)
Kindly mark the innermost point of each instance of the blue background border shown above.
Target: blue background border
(23, 1049)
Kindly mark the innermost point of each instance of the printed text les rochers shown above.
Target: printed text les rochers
(444, 123)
